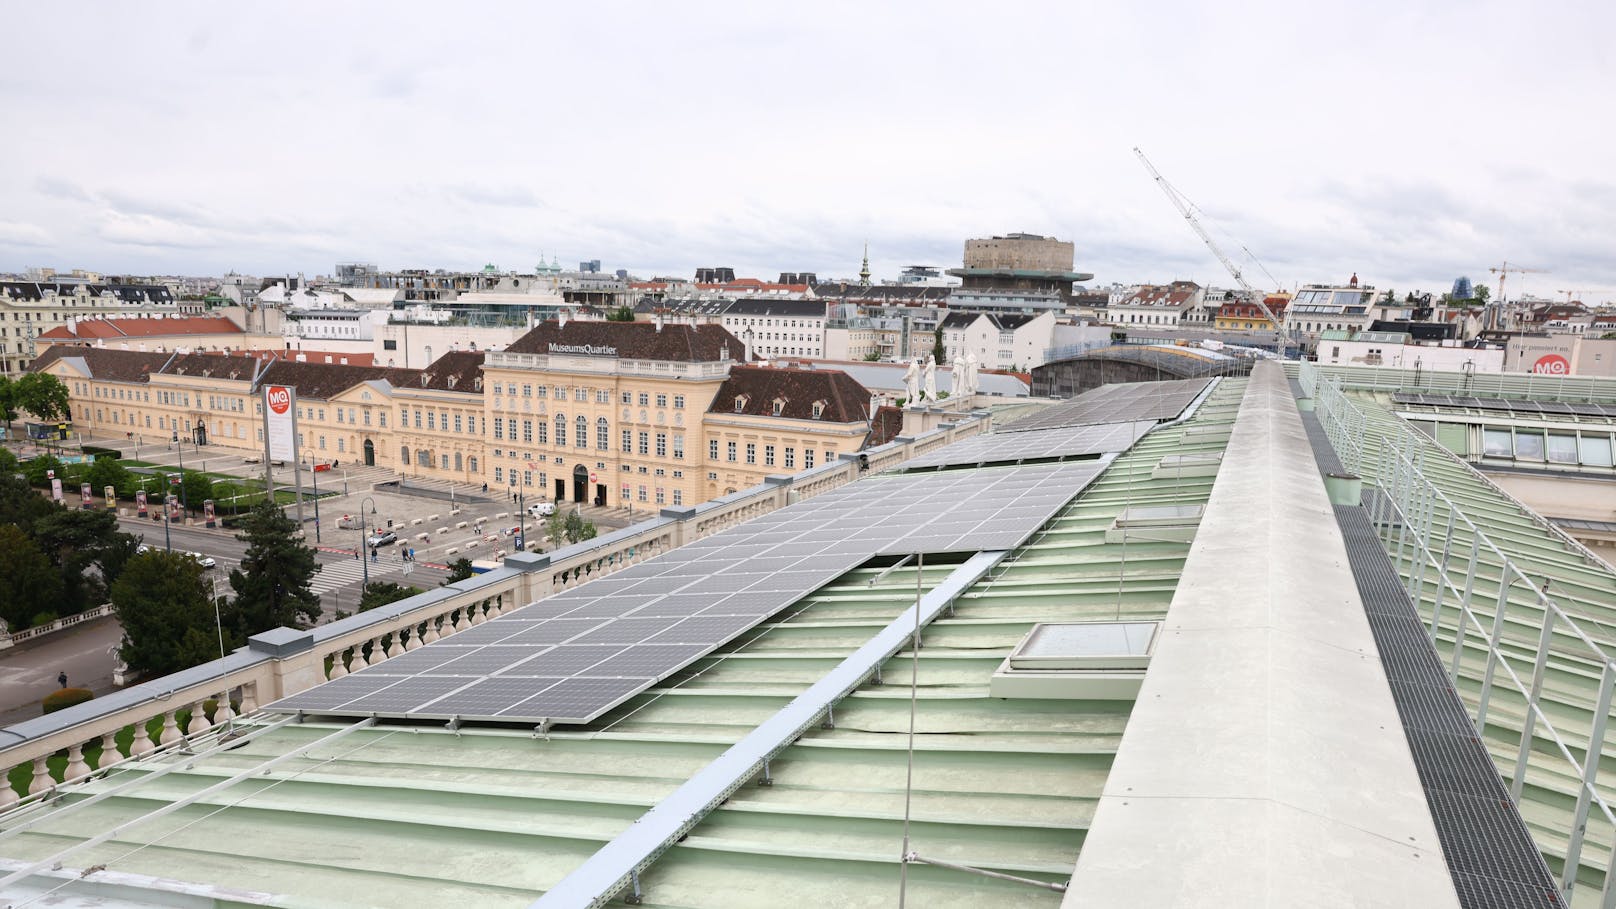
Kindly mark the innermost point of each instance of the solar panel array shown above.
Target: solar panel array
(1513, 406)
(575, 655)
(1035, 445)
(1124, 402)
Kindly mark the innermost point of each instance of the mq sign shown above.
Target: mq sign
(280, 422)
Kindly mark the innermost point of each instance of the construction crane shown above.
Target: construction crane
(1187, 209)
(1506, 270)
(1580, 293)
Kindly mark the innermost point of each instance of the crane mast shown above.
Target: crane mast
(1179, 202)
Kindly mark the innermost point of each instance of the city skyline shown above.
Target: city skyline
(1408, 146)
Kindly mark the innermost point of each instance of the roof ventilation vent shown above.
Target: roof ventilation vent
(1155, 524)
(1078, 661)
(1194, 464)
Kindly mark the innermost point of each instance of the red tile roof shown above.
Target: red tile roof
(100, 329)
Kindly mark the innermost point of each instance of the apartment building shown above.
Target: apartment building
(30, 308)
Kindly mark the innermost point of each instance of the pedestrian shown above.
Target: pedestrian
(375, 555)
(61, 678)
(485, 487)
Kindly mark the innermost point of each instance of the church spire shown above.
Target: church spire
(864, 272)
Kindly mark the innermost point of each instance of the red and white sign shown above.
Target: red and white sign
(593, 478)
(280, 422)
(1552, 365)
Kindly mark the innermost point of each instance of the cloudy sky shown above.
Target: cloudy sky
(1408, 142)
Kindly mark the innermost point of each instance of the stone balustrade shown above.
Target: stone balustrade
(284, 661)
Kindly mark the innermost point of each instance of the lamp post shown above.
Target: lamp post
(521, 513)
(315, 475)
(363, 561)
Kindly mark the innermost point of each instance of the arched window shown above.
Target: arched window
(423, 457)
(471, 464)
(404, 455)
(457, 461)
(583, 431)
(561, 429)
(601, 441)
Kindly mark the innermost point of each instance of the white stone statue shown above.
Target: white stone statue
(911, 381)
(971, 366)
(929, 379)
(957, 378)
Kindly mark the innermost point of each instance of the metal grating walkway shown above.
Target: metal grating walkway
(1491, 856)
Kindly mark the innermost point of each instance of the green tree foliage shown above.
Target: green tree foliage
(621, 314)
(167, 616)
(196, 488)
(38, 470)
(1482, 294)
(32, 585)
(459, 570)
(380, 593)
(89, 551)
(555, 527)
(108, 472)
(20, 504)
(873, 356)
(272, 584)
(42, 395)
(938, 351)
(8, 401)
(577, 529)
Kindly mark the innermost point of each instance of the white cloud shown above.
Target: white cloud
(1410, 144)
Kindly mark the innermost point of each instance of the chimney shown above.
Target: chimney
(562, 319)
(658, 321)
(73, 326)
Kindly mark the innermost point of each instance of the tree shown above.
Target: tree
(8, 402)
(1482, 293)
(43, 395)
(555, 527)
(459, 570)
(33, 587)
(380, 593)
(577, 529)
(19, 504)
(873, 356)
(88, 549)
(167, 617)
(939, 353)
(621, 314)
(196, 489)
(272, 584)
(106, 472)
(38, 469)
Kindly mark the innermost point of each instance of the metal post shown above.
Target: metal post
(1504, 583)
(1517, 784)
(1590, 771)
(315, 476)
(1442, 570)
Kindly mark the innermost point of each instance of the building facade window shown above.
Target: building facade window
(751, 452)
(768, 456)
(730, 450)
(603, 439)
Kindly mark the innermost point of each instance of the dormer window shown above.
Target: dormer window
(819, 409)
(740, 404)
(779, 406)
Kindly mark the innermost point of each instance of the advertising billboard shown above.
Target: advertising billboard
(140, 503)
(86, 496)
(280, 422)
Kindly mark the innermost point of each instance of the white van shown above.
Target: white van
(541, 509)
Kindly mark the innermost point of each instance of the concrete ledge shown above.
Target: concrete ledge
(1264, 763)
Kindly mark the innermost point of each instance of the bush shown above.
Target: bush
(65, 698)
(42, 618)
(100, 452)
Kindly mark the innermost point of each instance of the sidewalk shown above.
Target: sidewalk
(28, 671)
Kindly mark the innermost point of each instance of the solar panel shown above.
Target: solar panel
(1034, 445)
(609, 639)
(1117, 403)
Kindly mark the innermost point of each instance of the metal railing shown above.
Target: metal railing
(1417, 524)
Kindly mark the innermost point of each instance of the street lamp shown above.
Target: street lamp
(364, 562)
(315, 474)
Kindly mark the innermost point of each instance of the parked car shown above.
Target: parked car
(387, 538)
(206, 561)
(541, 509)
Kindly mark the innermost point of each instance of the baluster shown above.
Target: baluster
(461, 621)
(141, 745)
(224, 712)
(477, 617)
(171, 729)
(42, 779)
(412, 641)
(431, 633)
(359, 661)
(249, 698)
(109, 752)
(395, 646)
(8, 795)
(378, 654)
(199, 720)
(339, 666)
(77, 767)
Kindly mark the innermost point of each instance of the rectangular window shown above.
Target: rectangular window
(731, 452)
(768, 456)
(628, 398)
(527, 430)
(544, 433)
(678, 446)
(661, 444)
(386, 345)
(561, 433)
(791, 457)
(662, 400)
(1562, 448)
(580, 394)
(661, 497)
(808, 458)
(381, 418)
(1529, 444)
(751, 452)
(628, 441)
(642, 493)
(499, 427)
(645, 443)
(712, 449)
(678, 402)
(457, 422)
(527, 391)
(431, 420)
(1594, 450)
(527, 478)
(603, 397)
(499, 474)
(678, 497)
(417, 419)
(471, 424)
(628, 493)
(645, 399)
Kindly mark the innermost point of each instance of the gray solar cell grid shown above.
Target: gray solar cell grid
(554, 631)
(486, 696)
(646, 660)
(406, 694)
(577, 700)
(483, 661)
(1116, 404)
(627, 631)
(704, 630)
(563, 660)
